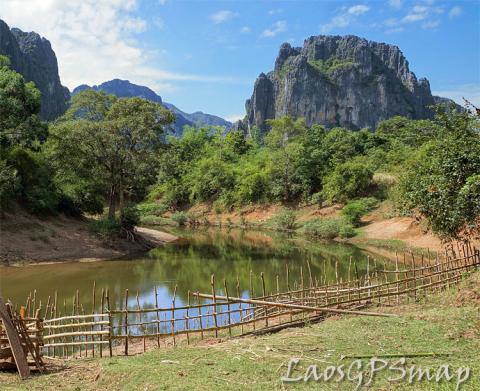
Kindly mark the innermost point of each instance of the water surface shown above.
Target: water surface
(188, 265)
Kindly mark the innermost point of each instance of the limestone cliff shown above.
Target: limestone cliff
(33, 57)
(338, 81)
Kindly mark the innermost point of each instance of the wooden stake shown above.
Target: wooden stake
(110, 326)
(126, 322)
(228, 307)
(173, 315)
(264, 294)
(212, 282)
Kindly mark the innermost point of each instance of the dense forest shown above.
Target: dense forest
(114, 155)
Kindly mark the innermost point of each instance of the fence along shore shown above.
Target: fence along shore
(61, 330)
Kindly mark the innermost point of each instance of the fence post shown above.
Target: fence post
(126, 322)
(212, 282)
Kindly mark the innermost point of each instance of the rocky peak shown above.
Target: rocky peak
(338, 81)
(33, 57)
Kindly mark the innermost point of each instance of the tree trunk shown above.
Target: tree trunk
(121, 197)
(111, 206)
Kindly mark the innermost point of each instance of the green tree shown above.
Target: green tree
(442, 182)
(20, 123)
(24, 174)
(110, 141)
(348, 180)
(284, 142)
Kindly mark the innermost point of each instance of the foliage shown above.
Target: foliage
(348, 180)
(331, 64)
(130, 217)
(20, 124)
(285, 220)
(180, 218)
(152, 208)
(442, 180)
(112, 142)
(35, 187)
(328, 229)
(346, 231)
(105, 228)
(353, 211)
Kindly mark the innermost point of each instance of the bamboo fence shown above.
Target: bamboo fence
(63, 330)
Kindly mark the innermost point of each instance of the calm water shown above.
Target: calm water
(187, 264)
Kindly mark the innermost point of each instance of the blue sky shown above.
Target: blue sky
(205, 55)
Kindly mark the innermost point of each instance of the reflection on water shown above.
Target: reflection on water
(188, 264)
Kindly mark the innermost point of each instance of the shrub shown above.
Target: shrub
(317, 198)
(347, 231)
(105, 228)
(152, 208)
(285, 220)
(130, 217)
(180, 218)
(323, 228)
(355, 210)
(348, 180)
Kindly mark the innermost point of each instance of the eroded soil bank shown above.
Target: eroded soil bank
(28, 239)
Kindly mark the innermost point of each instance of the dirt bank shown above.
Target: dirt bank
(27, 239)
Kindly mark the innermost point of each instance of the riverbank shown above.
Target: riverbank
(379, 230)
(27, 239)
(443, 329)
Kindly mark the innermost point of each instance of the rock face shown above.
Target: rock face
(33, 57)
(338, 81)
(123, 88)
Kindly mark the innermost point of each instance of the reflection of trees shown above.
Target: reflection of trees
(189, 265)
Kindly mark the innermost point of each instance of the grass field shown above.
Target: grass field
(447, 324)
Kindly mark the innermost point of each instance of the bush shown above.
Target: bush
(348, 180)
(355, 210)
(285, 220)
(8, 184)
(180, 218)
(323, 228)
(347, 231)
(152, 209)
(328, 229)
(130, 217)
(105, 228)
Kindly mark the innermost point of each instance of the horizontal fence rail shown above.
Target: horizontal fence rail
(69, 331)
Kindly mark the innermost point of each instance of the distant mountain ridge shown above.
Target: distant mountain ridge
(32, 56)
(124, 88)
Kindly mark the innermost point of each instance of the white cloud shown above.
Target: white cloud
(162, 2)
(467, 91)
(245, 29)
(275, 11)
(431, 24)
(222, 16)
(394, 30)
(395, 3)
(420, 9)
(234, 117)
(95, 41)
(358, 9)
(454, 12)
(414, 17)
(277, 28)
(345, 18)
(158, 22)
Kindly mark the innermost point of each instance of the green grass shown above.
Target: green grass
(438, 326)
(331, 64)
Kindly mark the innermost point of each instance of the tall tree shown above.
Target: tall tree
(112, 141)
